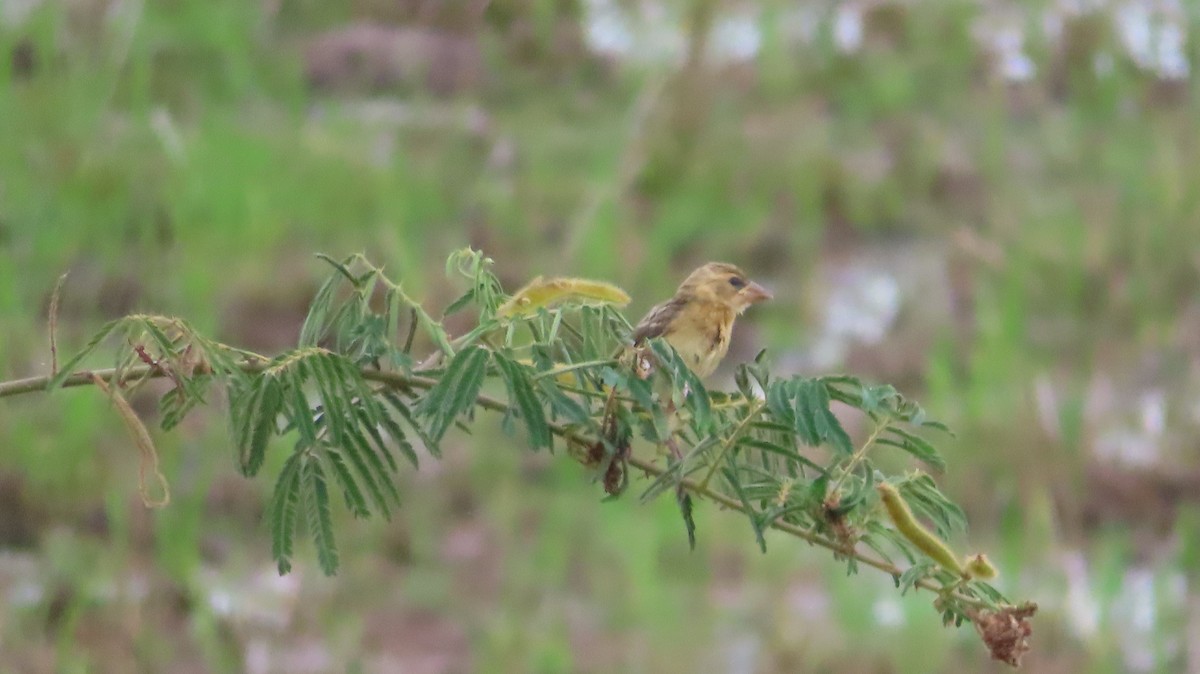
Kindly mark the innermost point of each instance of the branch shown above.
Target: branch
(398, 380)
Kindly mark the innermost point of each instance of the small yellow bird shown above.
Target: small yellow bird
(698, 320)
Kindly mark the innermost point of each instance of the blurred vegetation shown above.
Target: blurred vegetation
(991, 207)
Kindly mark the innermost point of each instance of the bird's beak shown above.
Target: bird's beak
(754, 293)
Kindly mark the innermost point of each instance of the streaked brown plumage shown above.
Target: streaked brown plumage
(698, 320)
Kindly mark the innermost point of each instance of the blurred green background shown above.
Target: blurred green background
(993, 206)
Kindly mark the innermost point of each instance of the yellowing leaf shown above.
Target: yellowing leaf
(919, 536)
(543, 293)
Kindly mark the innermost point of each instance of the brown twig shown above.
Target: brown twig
(404, 381)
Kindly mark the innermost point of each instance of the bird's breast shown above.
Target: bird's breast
(703, 338)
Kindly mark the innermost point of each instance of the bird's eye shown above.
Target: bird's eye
(737, 281)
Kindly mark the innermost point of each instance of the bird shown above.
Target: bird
(698, 320)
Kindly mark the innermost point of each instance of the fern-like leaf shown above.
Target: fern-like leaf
(254, 409)
(914, 445)
(282, 513)
(356, 502)
(69, 367)
(455, 392)
(405, 412)
(316, 323)
(522, 396)
(318, 516)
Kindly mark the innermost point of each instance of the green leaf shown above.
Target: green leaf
(377, 466)
(857, 492)
(397, 403)
(773, 427)
(338, 382)
(316, 323)
(219, 357)
(596, 343)
(165, 346)
(358, 454)
(818, 490)
(842, 379)
(879, 399)
(642, 392)
(683, 379)
(522, 396)
(780, 404)
(825, 423)
(460, 303)
(320, 521)
(397, 435)
(392, 318)
(175, 405)
(876, 529)
(563, 405)
(741, 379)
(914, 574)
(68, 368)
(301, 414)
(321, 369)
(684, 500)
(697, 400)
(760, 370)
(255, 414)
(342, 268)
(678, 470)
(790, 455)
(556, 321)
(370, 423)
(923, 497)
(915, 445)
(851, 395)
(751, 513)
(352, 418)
(477, 333)
(356, 502)
(990, 593)
(805, 415)
(937, 425)
(455, 392)
(282, 513)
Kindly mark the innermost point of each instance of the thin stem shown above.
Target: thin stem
(800, 532)
(593, 394)
(572, 367)
(400, 380)
(862, 452)
(573, 330)
(733, 438)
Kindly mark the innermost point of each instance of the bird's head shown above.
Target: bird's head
(725, 284)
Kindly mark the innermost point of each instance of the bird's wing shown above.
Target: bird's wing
(658, 319)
